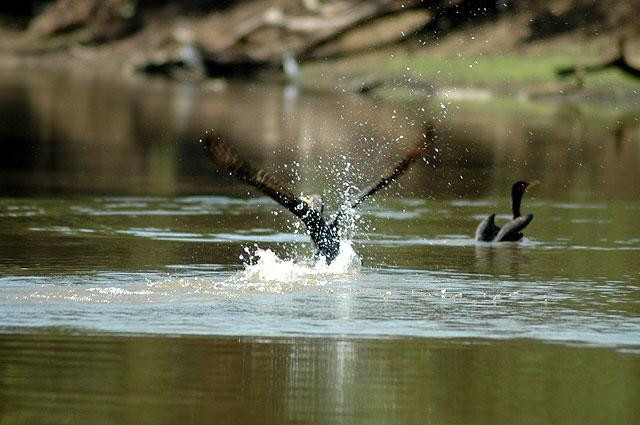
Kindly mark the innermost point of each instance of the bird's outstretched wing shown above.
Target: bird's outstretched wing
(487, 229)
(418, 151)
(227, 158)
(512, 231)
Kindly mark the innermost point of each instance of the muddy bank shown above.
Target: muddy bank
(459, 49)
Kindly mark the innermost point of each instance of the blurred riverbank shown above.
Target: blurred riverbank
(512, 51)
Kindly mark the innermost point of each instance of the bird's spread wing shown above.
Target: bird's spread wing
(418, 151)
(512, 231)
(227, 158)
(487, 229)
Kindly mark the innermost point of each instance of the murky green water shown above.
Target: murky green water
(123, 298)
(120, 379)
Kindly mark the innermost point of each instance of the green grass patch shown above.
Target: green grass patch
(503, 75)
(477, 69)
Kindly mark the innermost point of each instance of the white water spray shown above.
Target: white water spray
(270, 273)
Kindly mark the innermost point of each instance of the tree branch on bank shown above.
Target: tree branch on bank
(325, 24)
(620, 61)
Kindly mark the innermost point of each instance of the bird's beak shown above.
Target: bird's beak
(533, 183)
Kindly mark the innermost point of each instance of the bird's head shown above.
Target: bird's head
(314, 202)
(520, 187)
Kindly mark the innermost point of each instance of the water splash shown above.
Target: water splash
(269, 273)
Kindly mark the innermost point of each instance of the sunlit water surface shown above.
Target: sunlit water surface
(200, 265)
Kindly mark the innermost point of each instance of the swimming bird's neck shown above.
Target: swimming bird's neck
(516, 199)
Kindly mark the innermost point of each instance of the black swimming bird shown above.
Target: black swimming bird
(487, 230)
(324, 231)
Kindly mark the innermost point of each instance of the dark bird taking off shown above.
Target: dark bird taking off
(324, 231)
(487, 230)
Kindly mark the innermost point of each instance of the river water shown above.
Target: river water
(138, 284)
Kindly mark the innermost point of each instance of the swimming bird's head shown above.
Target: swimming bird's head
(521, 186)
(314, 202)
